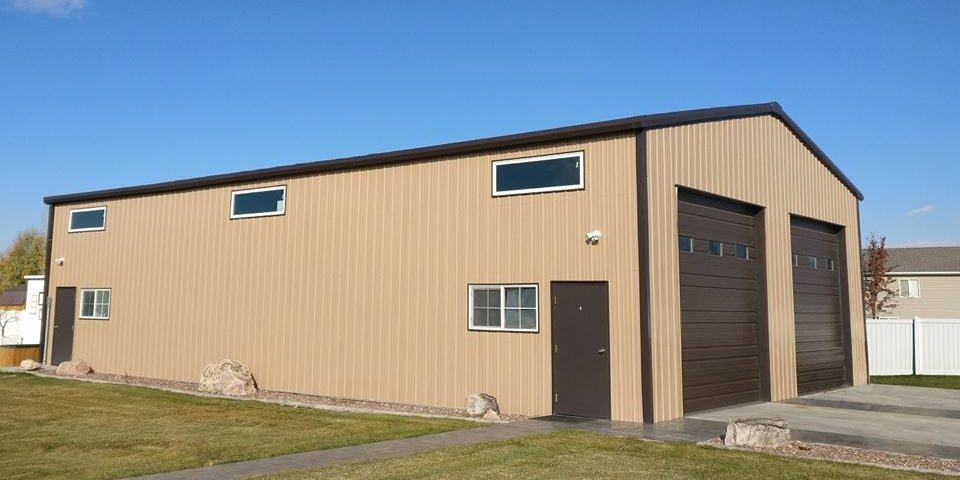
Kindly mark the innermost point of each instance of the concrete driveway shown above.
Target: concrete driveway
(922, 421)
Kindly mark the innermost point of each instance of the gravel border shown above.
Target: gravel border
(284, 398)
(859, 456)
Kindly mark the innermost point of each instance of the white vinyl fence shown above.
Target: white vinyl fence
(922, 346)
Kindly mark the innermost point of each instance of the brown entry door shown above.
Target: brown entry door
(63, 317)
(581, 340)
(719, 302)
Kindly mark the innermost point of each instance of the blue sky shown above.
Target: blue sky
(98, 94)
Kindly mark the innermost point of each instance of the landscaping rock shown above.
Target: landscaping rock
(29, 365)
(491, 415)
(227, 377)
(478, 404)
(74, 368)
(757, 432)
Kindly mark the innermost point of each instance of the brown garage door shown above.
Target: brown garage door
(818, 306)
(719, 268)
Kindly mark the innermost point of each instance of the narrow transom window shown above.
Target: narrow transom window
(743, 252)
(88, 219)
(686, 244)
(549, 173)
(510, 308)
(909, 287)
(715, 248)
(258, 202)
(95, 303)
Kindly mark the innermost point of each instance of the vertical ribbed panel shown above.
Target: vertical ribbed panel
(759, 161)
(360, 290)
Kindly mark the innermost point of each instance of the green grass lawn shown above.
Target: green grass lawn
(51, 428)
(933, 381)
(574, 454)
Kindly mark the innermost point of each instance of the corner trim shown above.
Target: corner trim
(643, 236)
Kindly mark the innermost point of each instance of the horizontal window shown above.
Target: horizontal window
(95, 303)
(88, 219)
(550, 173)
(909, 287)
(508, 308)
(258, 202)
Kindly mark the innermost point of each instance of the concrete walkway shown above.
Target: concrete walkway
(359, 453)
(913, 420)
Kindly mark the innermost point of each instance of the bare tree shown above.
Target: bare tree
(7, 319)
(878, 293)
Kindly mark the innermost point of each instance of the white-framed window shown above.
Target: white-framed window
(686, 244)
(715, 248)
(87, 219)
(258, 202)
(95, 303)
(547, 173)
(504, 308)
(909, 287)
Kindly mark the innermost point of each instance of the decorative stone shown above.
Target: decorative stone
(29, 365)
(491, 415)
(478, 404)
(757, 432)
(227, 377)
(74, 368)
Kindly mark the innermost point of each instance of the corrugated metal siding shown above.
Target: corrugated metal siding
(360, 290)
(939, 298)
(754, 160)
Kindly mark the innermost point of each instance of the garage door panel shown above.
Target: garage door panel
(718, 371)
(716, 335)
(818, 306)
(695, 280)
(718, 352)
(693, 316)
(718, 307)
(717, 299)
(693, 404)
(719, 267)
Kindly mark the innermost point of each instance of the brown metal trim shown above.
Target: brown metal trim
(643, 236)
(660, 120)
(46, 284)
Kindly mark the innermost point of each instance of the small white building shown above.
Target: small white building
(20, 310)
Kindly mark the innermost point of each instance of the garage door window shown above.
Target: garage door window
(715, 248)
(743, 252)
(686, 244)
(508, 308)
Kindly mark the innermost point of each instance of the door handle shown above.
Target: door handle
(602, 351)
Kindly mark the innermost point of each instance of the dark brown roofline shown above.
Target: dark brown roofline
(659, 120)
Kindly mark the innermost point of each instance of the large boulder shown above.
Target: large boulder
(227, 377)
(74, 368)
(29, 365)
(478, 404)
(757, 432)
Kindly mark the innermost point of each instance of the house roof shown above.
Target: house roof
(15, 296)
(659, 120)
(924, 260)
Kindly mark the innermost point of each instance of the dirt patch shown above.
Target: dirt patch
(295, 399)
(838, 453)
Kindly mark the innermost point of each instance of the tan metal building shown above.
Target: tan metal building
(633, 269)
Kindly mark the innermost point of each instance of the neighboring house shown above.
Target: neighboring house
(20, 311)
(927, 282)
(634, 269)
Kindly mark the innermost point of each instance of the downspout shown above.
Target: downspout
(46, 287)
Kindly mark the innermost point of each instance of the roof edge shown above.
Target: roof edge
(653, 121)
